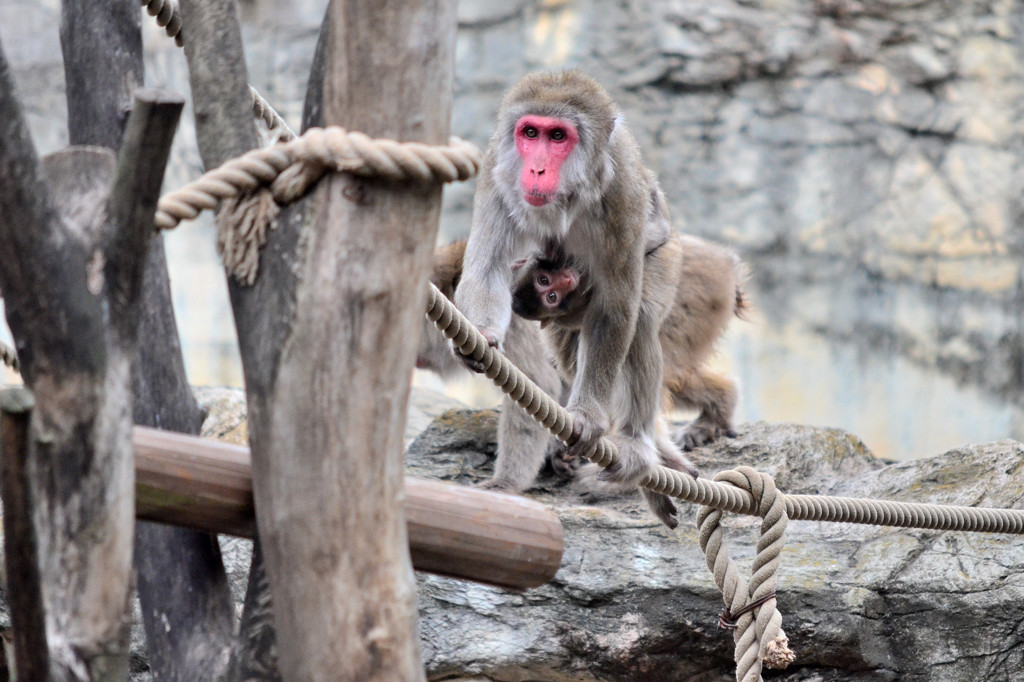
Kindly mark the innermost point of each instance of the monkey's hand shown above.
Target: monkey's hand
(589, 423)
(493, 340)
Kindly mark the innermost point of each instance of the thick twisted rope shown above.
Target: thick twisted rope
(276, 125)
(470, 342)
(168, 17)
(757, 630)
(290, 169)
(9, 357)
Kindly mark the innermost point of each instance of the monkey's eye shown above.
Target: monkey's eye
(557, 134)
(552, 297)
(530, 132)
(543, 280)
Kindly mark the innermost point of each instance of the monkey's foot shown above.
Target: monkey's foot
(637, 457)
(564, 469)
(702, 432)
(472, 365)
(589, 483)
(499, 485)
(475, 365)
(663, 507)
(593, 489)
(673, 459)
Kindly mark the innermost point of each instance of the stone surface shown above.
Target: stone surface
(633, 600)
(636, 601)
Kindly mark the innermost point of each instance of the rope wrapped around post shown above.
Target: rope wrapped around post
(290, 169)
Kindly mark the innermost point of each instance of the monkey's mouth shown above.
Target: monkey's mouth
(535, 197)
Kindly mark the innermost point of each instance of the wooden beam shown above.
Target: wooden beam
(453, 530)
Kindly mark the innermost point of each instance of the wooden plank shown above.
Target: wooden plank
(453, 530)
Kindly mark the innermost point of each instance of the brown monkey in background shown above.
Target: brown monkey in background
(522, 443)
(552, 288)
(562, 168)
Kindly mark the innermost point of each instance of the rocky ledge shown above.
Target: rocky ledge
(635, 601)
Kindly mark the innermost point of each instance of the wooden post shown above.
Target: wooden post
(71, 232)
(102, 47)
(453, 530)
(327, 337)
(21, 546)
(330, 513)
(186, 603)
(224, 129)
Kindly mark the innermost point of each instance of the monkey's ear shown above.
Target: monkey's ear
(518, 265)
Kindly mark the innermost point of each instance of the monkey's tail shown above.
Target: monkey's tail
(742, 307)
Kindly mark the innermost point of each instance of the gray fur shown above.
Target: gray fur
(602, 214)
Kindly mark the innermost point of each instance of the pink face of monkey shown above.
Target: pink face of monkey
(552, 286)
(543, 143)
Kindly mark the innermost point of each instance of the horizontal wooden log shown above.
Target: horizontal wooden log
(453, 530)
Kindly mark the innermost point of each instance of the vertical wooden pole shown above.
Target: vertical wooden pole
(224, 129)
(330, 514)
(183, 589)
(21, 545)
(73, 232)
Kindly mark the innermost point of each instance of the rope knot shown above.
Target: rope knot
(290, 169)
(750, 610)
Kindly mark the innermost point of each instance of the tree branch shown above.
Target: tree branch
(133, 198)
(33, 273)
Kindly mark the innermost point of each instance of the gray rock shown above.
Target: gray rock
(633, 600)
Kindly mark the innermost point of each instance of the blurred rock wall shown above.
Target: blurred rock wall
(866, 158)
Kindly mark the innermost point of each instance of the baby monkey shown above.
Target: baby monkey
(554, 288)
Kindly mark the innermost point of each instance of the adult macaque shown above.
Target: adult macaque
(563, 168)
(552, 287)
(522, 443)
